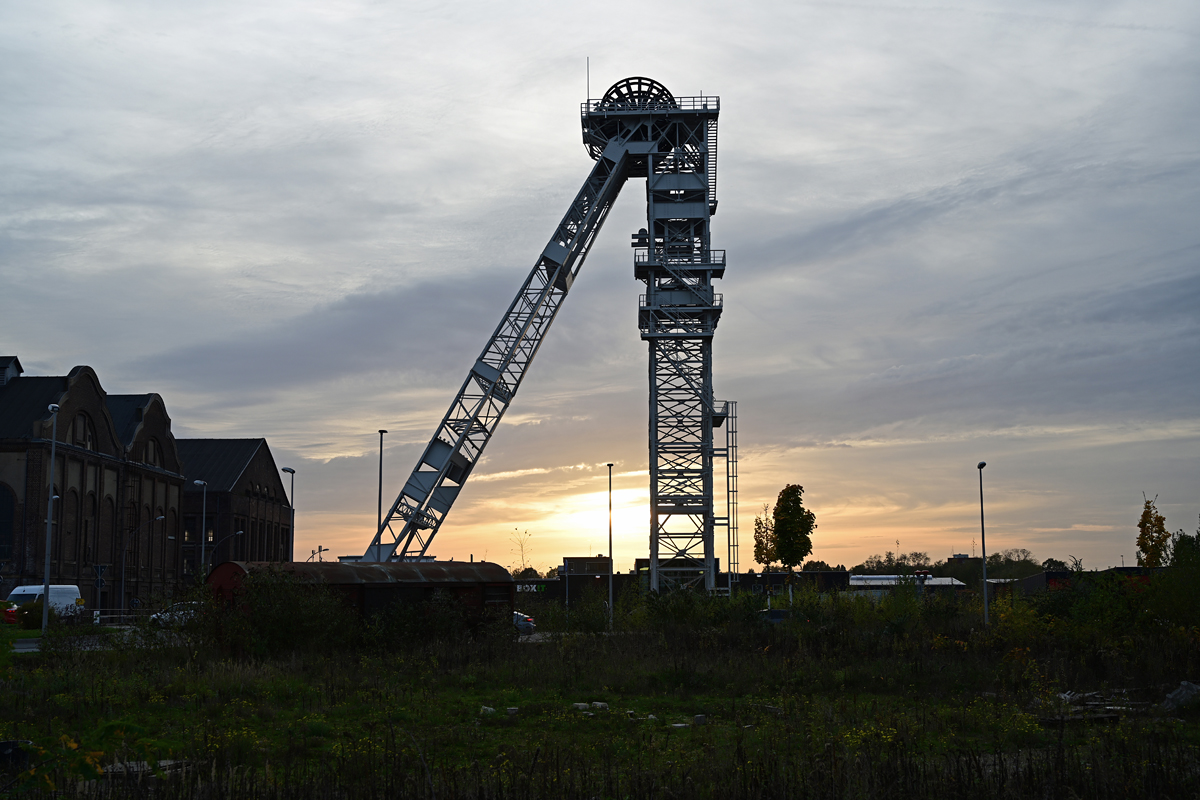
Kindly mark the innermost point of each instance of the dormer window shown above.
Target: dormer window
(10, 369)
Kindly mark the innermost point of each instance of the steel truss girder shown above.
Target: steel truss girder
(492, 383)
(681, 457)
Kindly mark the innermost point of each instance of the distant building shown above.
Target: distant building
(879, 586)
(244, 493)
(118, 479)
(585, 565)
(835, 580)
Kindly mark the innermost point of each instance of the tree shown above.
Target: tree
(1015, 562)
(1185, 548)
(522, 550)
(786, 536)
(892, 564)
(1054, 565)
(1153, 541)
(764, 538)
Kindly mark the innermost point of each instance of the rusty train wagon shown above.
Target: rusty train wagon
(484, 589)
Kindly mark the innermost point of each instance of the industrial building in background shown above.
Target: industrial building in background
(118, 482)
(234, 485)
(638, 129)
(125, 526)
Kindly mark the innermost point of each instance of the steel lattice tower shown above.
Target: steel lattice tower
(678, 316)
(637, 130)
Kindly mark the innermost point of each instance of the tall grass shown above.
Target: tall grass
(285, 695)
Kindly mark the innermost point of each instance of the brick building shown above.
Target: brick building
(117, 472)
(244, 493)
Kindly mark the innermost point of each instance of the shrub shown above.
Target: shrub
(29, 615)
(274, 613)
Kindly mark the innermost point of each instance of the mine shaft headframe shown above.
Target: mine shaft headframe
(643, 110)
(636, 122)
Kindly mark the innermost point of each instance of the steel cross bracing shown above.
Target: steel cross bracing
(678, 317)
(637, 130)
(485, 395)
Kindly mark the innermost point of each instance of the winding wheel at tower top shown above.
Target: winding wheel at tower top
(639, 93)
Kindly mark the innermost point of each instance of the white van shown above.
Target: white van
(64, 599)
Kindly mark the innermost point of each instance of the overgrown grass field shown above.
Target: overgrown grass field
(290, 696)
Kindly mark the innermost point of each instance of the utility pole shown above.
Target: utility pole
(203, 529)
(53, 409)
(610, 551)
(292, 503)
(983, 543)
(379, 514)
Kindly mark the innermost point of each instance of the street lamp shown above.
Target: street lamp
(292, 503)
(223, 538)
(379, 513)
(610, 553)
(203, 523)
(124, 559)
(53, 409)
(983, 542)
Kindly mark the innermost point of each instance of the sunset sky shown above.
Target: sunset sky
(956, 232)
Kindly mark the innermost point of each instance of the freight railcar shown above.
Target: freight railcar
(484, 589)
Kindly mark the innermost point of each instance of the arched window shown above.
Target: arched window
(106, 540)
(8, 521)
(157, 536)
(66, 545)
(153, 453)
(89, 527)
(82, 433)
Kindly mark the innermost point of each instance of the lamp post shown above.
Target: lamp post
(124, 559)
(53, 409)
(292, 503)
(610, 552)
(203, 524)
(379, 513)
(223, 538)
(983, 542)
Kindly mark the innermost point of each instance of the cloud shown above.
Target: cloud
(949, 229)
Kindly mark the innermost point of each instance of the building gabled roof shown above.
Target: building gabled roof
(7, 361)
(25, 401)
(218, 462)
(124, 409)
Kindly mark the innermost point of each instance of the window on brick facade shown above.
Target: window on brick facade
(8, 514)
(82, 433)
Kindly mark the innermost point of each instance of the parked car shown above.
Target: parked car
(176, 614)
(64, 599)
(524, 623)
